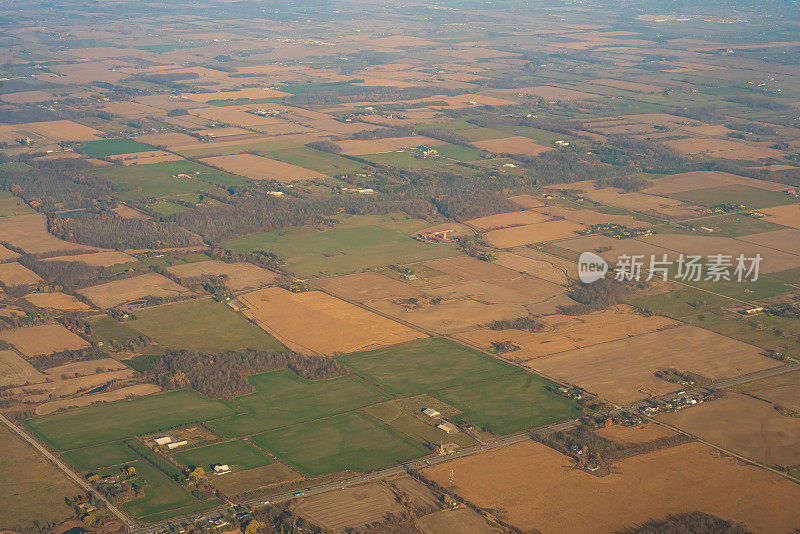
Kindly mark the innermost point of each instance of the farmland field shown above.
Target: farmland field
(118, 292)
(282, 398)
(753, 198)
(100, 456)
(112, 421)
(350, 508)
(352, 442)
(43, 339)
(112, 147)
(234, 453)
(11, 205)
(204, 325)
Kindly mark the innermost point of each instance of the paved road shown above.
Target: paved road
(79, 480)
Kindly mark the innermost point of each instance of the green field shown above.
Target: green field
(95, 424)
(353, 442)
(421, 366)
(235, 453)
(751, 197)
(282, 398)
(734, 225)
(113, 147)
(358, 243)
(11, 205)
(508, 404)
(396, 414)
(14, 166)
(160, 493)
(156, 180)
(100, 456)
(316, 160)
(205, 325)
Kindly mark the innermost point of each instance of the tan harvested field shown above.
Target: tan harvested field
(339, 327)
(532, 233)
(787, 396)
(622, 370)
(461, 520)
(168, 140)
(127, 212)
(549, 269)
(564, 333)
(350, 507)
(526, 201)
(6, 254)
(788, 215)
(786, 240)
(629, 435)
(144, 158)
(98, 259)
(233, 115)
(421, 498)
(723, 148)
(502, 220)
(252, 479)
(253, 92)
(641, 202)
(472, 269)
(773, 260)
(628, 86)
(537, 488)
(15, 370)
(14, 274)
(137, 390)
(260, 168)
(548, 92)
(692, 181)
(512, 145)
(590, 217)
(389, 144)
(610, 248)
(43, 339)
(368, 286)
(239, 276)
(56, 301)
(29, 232)
(451, 316)
(119, 292)
(54, 130)
(749, 426)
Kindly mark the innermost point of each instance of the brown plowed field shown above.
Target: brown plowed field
(749, 426)
(338, 327)
(15, 370)
(538, 488)
(351, 507)
(449, 521)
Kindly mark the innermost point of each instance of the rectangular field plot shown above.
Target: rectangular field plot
(508, 404)
(139, 287)
(112, 147)
(348, 442)
(340, 511)
(357, 244)
(282, 398)
(204, 325)
(100, 456)
(233, 453)
(753, 198)
(421, 366)
(43, 339)
(112, 421)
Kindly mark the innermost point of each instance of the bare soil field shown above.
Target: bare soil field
(564, 333)
(43, 339)
(503, 220)
(788, 215)
(628, 435)
(119, 292)
(340, 327)
(512, 145)
(622, 370)
(16, 371)
(253, 92)
(526, 201)
(259, 168)
(29, 232)
(389, 144)
(368, 286)
(14, 274)
(723, 148)
(549, 269)
(98, 259)
(764, 434)
(691, 181)
(590, 217)
(349, 508)
(537, 488)
(240, 275)
(137, 390)
(421, 498)
(56, 300)
(773, 260)
(461, 520)
(252, 479)
(532, 233)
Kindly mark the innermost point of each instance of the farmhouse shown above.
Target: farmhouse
(431, 412)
